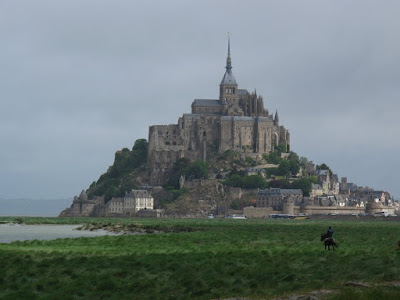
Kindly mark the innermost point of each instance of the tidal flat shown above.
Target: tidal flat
(10, 232)
(205, 259)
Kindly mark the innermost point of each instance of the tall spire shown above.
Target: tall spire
(228, 78)
(228, 59)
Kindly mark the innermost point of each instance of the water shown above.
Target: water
(33, 207)
(15, 232)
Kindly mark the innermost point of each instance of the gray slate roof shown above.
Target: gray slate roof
(236, 118)
(115, 200)
(138, 194)
(315, 186)
(191, 116)
(277, 192)
(228, 78)
(242, 92)
(206, 102)
(322, 172)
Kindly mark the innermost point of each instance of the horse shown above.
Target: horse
(328, 242)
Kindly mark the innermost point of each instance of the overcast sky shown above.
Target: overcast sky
(80, 80)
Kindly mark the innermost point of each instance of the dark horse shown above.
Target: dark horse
(328, 242)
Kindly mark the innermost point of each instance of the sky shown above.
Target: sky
(80, 80)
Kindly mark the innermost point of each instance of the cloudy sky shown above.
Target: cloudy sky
(80, 80)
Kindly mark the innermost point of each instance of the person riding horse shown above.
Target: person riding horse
(329, 234)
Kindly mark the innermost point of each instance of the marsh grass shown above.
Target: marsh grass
(217, 259)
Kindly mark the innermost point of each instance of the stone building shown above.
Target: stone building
(84, 207)
(115, 207)
(237, 121)
(128, 206)
(136, 200)
(275, 198)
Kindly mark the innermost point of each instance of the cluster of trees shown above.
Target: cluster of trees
(288, 166)
(247, 182)
(324, 167)
(191, 170)
(117, 179)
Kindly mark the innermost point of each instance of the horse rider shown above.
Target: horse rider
(329, 234)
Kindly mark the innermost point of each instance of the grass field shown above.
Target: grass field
(256, 259)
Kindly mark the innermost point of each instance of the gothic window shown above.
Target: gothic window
(204, 134)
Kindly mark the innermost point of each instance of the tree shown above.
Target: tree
(324, 167)
(234, 180)
(303, 161)
(197, 169)
(294, 167)
(281, 149)
(272, 158)
(110, 192)
(304, 184)
(177, 171)
(313, 179)
(282, 184)
(253, 182)
(284, 167)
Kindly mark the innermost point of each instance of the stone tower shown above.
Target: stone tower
(228, 89)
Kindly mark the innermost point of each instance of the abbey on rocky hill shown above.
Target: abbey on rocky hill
(236, 121)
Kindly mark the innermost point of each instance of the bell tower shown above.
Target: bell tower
(228, 88)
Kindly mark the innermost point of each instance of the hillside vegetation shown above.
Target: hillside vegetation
(129, 172)
(125, 173)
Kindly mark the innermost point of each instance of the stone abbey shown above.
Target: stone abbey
(236, 121)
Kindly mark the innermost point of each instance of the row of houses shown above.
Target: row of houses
(291, 201)
(134, 203)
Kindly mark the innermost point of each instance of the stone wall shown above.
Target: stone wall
(320, 210)
(257, 212)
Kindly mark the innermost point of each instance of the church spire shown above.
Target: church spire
(228, 58)
(228, 78)
(276, 120)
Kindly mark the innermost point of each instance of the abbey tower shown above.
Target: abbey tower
(236, 121)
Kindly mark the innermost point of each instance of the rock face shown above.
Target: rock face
(235, 121)
(209, 197)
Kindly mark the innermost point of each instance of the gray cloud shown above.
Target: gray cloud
(81, 79)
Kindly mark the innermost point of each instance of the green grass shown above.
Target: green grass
(219, 259)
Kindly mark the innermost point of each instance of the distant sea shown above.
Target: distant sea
(33, 207)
